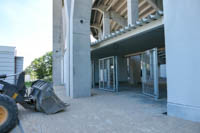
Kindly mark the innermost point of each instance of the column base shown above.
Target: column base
(184, 111)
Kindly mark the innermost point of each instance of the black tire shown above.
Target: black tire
(11, 120)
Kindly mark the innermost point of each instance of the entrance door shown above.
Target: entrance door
(150, 73)
(107, 74)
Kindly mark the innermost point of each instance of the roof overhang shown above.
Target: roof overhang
(146, 36)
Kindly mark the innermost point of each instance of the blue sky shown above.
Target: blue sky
(27, 25)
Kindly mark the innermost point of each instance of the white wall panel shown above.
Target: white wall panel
(7, 62)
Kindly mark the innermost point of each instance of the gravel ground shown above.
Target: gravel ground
(106, 112)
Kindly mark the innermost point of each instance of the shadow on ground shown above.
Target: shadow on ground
(107, 112)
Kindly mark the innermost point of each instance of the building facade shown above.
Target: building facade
(10, 63)
(148, 44)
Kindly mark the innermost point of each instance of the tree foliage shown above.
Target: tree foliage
(41, 68)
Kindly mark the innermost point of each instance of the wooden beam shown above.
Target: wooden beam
(148, 13)
(100, 18)
(123, 11)
(114, 2)
(96, 26)
(95, 14)
(106, 2)
(145, 9)
(123, 3)
(113, 15)
(113, 25)
(142, 3)
(153, 4)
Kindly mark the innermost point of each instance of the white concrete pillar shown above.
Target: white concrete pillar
(132, 6)
(77, 56)
(182, 41)
(66, 29)
(58, 44)
(106, 23)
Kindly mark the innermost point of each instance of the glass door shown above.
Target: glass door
(107, 76)
(150, 73)
(101, 74)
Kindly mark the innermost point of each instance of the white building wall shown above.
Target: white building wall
(182, 32)
(7, 62)
(58, 43)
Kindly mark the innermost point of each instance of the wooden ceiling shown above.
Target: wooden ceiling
(146, 7)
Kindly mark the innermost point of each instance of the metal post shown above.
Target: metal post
(108, 74)
(93, 73)
(155, 66)
(144, 73)
(99, 73)
(116, 74)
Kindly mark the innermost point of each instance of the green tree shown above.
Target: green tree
(41, 68)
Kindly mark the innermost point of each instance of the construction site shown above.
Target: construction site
(140, 75)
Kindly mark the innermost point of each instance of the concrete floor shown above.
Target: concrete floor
(106, 112)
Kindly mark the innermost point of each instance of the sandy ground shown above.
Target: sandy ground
(107, 112)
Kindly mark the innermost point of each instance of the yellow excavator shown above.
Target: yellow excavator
(40, 97)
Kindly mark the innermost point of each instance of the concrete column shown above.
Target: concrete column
(106, 23)
(66, 29)
(182, 41)
(78, 72)
(58, 44)
(132, 6)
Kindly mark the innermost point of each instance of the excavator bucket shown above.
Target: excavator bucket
(45, 99)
